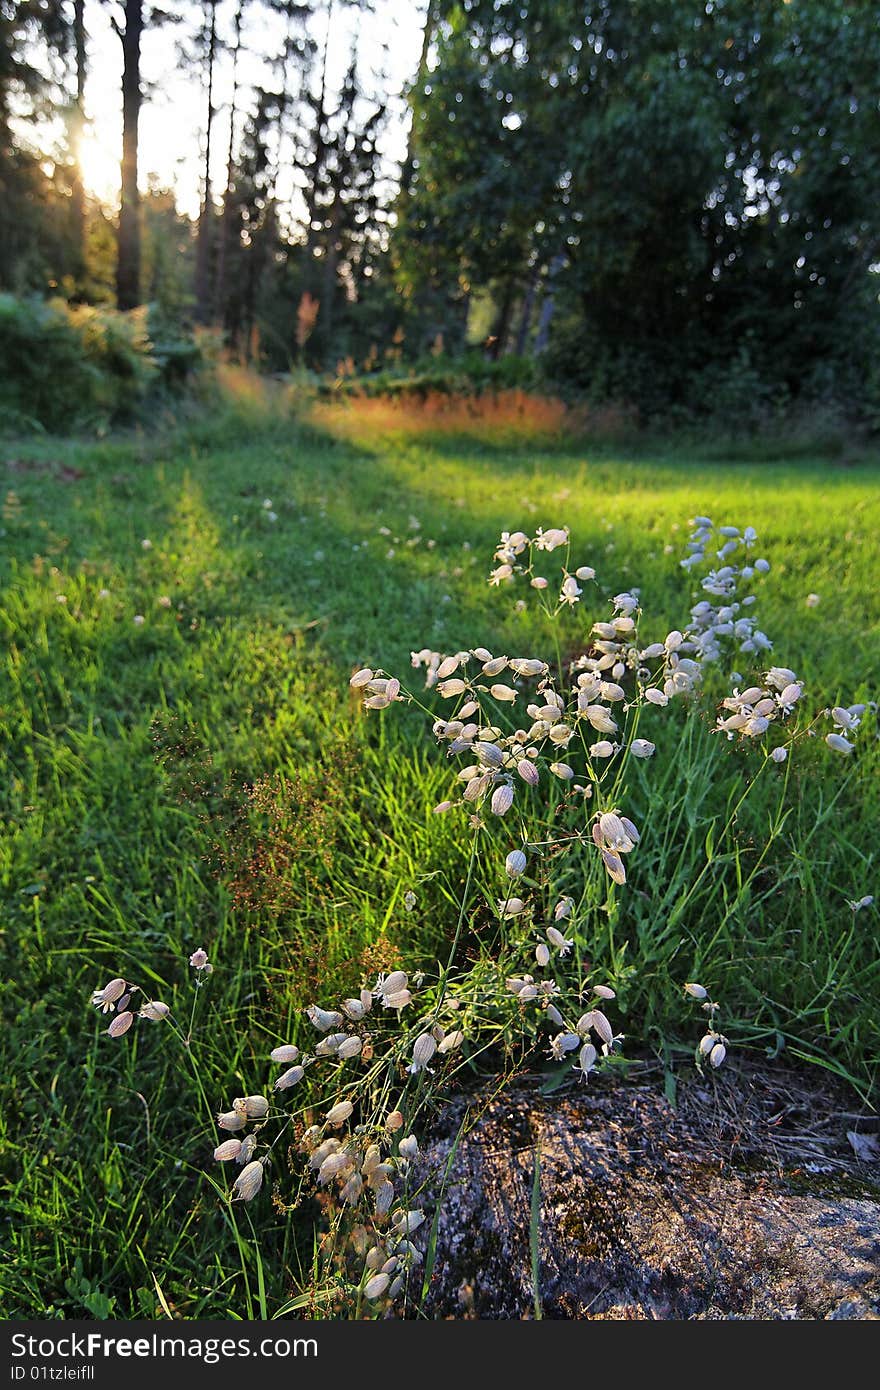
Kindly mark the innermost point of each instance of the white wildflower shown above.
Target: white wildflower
(323, 1019)
(642, 748)
(502, 799)
(562, 944)
(155, 1010)
(510, 907)
(107, 998)
(423, 1050)
(232, 1120)
(839, 743)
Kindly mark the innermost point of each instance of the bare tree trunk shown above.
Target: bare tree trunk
(77, 124)
(528, 306)
(501, 327)
(128, 265)
(226, 229)
(549, 304)
(206, 213)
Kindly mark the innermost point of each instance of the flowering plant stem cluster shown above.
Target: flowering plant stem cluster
(543, 754)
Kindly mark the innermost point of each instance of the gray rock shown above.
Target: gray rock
(728, 1207)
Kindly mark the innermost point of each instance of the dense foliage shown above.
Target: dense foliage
(671, 207)
(696, 186)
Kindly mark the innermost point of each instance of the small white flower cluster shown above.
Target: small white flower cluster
(367, 1165)
(712, 1045)
(516, 556)
(507, 760)
(115, 998)
(380, 691)
(724, 621)
(592, 1035)
(245, 1110)
(614, 653)
(752, 711)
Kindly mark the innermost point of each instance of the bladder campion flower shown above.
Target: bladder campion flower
(248, 1182)
(107, 998)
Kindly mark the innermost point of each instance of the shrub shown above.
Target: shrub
(73, 365)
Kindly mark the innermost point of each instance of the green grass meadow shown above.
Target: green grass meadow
(205, 778)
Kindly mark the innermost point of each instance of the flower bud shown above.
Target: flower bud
(323, 1019)
(696, 991)
(384, 1198)
(339, 1113)
(248, 1182)
(718, 1054)
(121, 1024)
(423, 1050)
(105, 999)
(287, 1053)
(289, 1078)
(515, 863)
(228, 1150)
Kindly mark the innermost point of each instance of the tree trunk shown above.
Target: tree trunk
(501, 327)
(528, 305)
(206, 213)
(77, 123)
(128, 266)
(226, 229)
(331, 264)
(547, 308)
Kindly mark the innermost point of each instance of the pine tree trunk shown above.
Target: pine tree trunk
(206, 213)
(77, 195)
(226, 227)
(128, 266)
